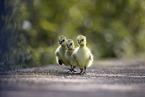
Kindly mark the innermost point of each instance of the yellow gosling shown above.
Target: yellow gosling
(60, 51)
(82, 56)
(68, 53)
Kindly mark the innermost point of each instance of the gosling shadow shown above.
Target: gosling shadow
(65, 73)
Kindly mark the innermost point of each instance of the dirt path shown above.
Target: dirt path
(112, 78)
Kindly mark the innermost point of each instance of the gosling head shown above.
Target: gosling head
(70, 44)
(62, 40)
(81, 40)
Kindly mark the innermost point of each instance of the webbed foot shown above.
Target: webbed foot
(72, 70)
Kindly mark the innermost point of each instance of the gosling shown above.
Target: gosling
(68, 53)
(82, 56)
(60, 51)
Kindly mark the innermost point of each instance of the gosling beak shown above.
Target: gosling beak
(79, 42)
(68, 46)
(60, 42)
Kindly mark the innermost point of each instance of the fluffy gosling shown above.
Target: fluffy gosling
(82, 56)
(68, 53)
(60, 51)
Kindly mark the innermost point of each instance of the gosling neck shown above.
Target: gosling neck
(82, 45)
(70, 49)
(63, 46)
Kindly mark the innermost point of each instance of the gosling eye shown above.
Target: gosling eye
(71, 44)
(82, 39)
(62, 41)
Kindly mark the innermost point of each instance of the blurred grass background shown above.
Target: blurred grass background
(29, 29)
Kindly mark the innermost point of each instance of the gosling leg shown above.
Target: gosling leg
(73, 67)
(81, 70)
(84, 70)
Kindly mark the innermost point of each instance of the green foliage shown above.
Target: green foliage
(114, 28)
